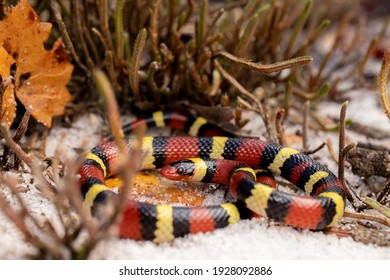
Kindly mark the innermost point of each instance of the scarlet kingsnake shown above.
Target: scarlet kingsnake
(161, 223)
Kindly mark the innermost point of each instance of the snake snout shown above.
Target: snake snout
(169, 172)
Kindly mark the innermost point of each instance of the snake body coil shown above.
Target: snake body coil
(161, 223)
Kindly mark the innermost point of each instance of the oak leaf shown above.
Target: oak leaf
(40, 75)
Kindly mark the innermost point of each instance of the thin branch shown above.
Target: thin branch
(382, 220)
(14, 146)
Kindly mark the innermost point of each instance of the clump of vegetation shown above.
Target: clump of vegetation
(260, 55)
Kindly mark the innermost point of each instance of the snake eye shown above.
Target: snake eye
(180, 170)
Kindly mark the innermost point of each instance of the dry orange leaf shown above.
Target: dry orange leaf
(40, 75)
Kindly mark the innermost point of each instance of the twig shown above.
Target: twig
(376, 205)
(310, 152)
(382, 220)
(279, 126)
(382, 83)
(128, 162)
(14, 146)
(342, 141)
(104, 87)
(343, 151)
(23, 125)
(260, 109)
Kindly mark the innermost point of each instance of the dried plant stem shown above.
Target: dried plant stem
(100, 37)
(51, 242)
(103, 19)
(279, 126)
(104, 87)
(343, 151)
(360, 67)
(259, 107)
(69, 185)
(342, 141)
(376, 205)
(312, 38)
(202, 26)
(16, 217)
(382, 220)
(126, 164)
(154, 66)
(382, 83)
(333, 48)
(172, 9)
(14, 146)
(110, 65)
(249, 31)
(268, 68)
(249, 9)
(332, 152)
(65, 35)
(79, 27)
(213, 24)
(323, 90)
(119, 30)
(287, 97)
(135, 61)
(153, 27)
(23, 125)
(313, 151)
(215, 84)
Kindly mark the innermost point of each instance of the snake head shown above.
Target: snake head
(179, 170)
